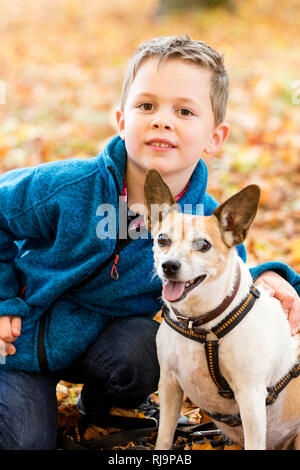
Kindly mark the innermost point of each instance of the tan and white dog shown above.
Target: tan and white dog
(201, 272)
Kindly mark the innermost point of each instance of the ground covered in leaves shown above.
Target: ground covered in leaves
(61, 69)
(185, 438)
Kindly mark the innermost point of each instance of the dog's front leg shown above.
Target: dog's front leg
(252, 404)
(170, 403)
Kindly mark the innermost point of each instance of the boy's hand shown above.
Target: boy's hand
(10, 329)
(285, 293)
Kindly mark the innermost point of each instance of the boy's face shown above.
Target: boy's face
(168, 121)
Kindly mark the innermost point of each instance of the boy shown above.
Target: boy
(86, 313)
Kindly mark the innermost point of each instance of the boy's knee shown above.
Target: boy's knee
(122, 377)
(126, 386)
(133, 373)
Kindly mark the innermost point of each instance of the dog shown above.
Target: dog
(222, 342)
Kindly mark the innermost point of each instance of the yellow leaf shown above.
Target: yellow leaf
(62, 393)
(295, 251)
(265, 159)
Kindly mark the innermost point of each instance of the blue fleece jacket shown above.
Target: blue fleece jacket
(52, 237)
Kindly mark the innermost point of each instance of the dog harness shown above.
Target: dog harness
(187, 328)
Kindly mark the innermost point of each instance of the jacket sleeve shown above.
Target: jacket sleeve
(282, 269)
(18, 221)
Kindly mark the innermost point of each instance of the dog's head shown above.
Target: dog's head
(191, 250)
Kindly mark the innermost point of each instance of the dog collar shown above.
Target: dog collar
(207, 317)
(222, 328)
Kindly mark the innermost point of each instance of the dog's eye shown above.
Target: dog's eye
(200, 244)
(163, 240)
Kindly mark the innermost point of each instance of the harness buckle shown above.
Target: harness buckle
(255, 292)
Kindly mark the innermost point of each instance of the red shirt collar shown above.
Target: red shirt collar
(124, 192)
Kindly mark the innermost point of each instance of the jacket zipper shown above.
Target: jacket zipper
(115, 256)
(42, 357)
(114, 272)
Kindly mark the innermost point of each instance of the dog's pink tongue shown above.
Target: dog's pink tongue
(173, 290)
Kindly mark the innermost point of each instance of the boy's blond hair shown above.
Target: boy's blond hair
(173, 47)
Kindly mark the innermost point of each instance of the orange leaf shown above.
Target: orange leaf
(130, 413)
(205, 446)
(158, 317)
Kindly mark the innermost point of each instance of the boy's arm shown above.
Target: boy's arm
(283, 283)
(284, 292)
(283, 270)
(17, 222)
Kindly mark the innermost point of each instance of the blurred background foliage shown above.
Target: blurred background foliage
(61, 69)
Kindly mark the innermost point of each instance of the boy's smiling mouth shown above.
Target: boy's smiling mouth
(160, 144)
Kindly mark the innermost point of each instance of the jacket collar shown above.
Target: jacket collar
(115, 155)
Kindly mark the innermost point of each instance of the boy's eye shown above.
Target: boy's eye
(163, 240)
(185, 112)
(146, 106)
(200, 244)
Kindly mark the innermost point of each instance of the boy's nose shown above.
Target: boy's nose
(161, 124)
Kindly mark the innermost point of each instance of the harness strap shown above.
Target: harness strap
(273, 392)
(212, 356)
(234, 318)
(220, 330)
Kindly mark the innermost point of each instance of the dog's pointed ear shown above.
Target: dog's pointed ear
(158, 199)
(237, 214)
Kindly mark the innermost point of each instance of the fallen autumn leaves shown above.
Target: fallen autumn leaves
(63, 65)
(68, 417)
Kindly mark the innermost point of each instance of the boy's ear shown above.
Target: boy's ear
(120, 123)
(217, 138)
(158, 199)
(237, 214)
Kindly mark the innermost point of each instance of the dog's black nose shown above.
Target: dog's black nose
(171, 267)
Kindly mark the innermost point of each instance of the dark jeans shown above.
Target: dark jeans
(119, 369)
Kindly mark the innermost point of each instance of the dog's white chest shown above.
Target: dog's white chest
(186, 359)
